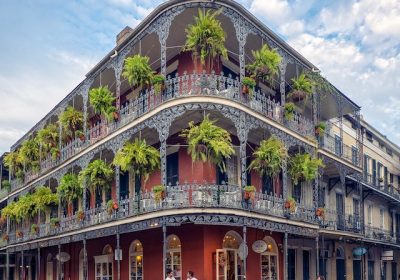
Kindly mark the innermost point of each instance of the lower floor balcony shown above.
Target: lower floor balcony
(380, 234)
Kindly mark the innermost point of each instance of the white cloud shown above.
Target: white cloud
(275, 11)
(292, 28)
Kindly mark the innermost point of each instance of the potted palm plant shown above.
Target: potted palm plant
(158, 82)
(98, 174)
(69, 188)
(55, 222)
(102, 101)
(34, 229)
(13, 162)
(320, 129)
(29, 154)
(43, 199)
(208, 142)
(266, 64)
(6, 185)
(159, 192)
(248, 85)
(269, 157)
(112, 206)
(249, 192)
(137, 71)
(303, 167)
(48, 138)
(138, 157)
(289, 111)
(290, 205)
(71, 121)
(302, 88)
(206, 39)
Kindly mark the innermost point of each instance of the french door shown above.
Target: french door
(229, 266)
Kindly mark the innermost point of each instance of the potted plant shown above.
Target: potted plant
(29, 154)
(138, 157)
(290, 205)
(69, 188)
(48, 138)
(43, 199)
(55, 222)
(71, 121)
(249, 192)
(6, 237)
(303, 167)
(13, 162)
(19, 234)
(55, 153)
(206, 39)
(320, 213)
(158, 82)
(137, 71)
(248, 85)
(80, 215)
(159, 192)
(265, 66)
(269, 157)
(208, 142)
(80, 135)
(102, 101)
(289, 111)
(111, 206)
(302, 88)
(320, 129)
(97, 175)
(34, 229)
(6, 185)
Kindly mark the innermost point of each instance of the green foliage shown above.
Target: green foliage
(29, 153)
(34, 229)
(304, 167)
(266, 64)
(12, 161)
(139, 157)
(269, 157)
(43, 198)
(6, 185)
(206, 38)
(55, 153)
(98, 174)
(71, 121)
(289, 111)
(9, 211)
(158, 82)
(69, 188)
(249, 189)
(208, 142)
(137, 70)
(247, 81)
(158, 189)
(320, 129)
(24, 207)
(48, 138)
(55, 222)
(102, 100)
(302, 86)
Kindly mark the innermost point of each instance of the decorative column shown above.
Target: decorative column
(119, 257)
(7, 264)
(285, 256)
(285, 192)
(394, 223)
(84, 196)
(117, 183)
(59, 263)
(59, 133)
(282, 70)
(85, 263)
(22, 265)
(317, 253)
(38, 262)
(84, 92)
(164, 230)
(316, 192)
(245, 253)
(340, 107)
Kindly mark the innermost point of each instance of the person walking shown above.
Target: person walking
(170, 275)
(190, 275)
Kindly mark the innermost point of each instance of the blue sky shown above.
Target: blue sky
(47, 46)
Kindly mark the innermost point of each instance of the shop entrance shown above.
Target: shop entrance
(228, 260)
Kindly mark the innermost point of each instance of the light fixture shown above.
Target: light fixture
(139, 258)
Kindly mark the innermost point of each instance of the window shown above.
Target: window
(136, 260)
(374, 171)
(124, 185)
(369, 136)
(389, 152)
(321, 197)
(172, 169)
(104, 264)
(174, 256)
(267, 185)
(297, 192)
(306, 265)
(338, 145)
(291, 264)
(269, 260)
(381, 218)
(354, 155)
(369, 214)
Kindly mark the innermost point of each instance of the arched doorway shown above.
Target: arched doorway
(49, 267)
(104, 264)
(81, 257)
(174, 256)
(269, 260)
(136, 260)
(229, 263)
(340, 269)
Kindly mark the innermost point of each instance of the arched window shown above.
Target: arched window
(174, 256)
(136, 260)
(339, 253)
(104, 264)
(269, 260)
(232, 240)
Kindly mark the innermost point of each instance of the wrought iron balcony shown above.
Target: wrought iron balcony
(177, 197)
(385, 187)
(332, 145)
(3, 193)
(342, 222)
(187, 85)
(379, 234)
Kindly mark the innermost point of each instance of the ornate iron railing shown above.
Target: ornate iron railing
(336, 147)
(379, 234)
(187, 85)
(334, 220)
(385, 187)
(176, 197)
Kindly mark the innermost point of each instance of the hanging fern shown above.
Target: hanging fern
(71, 121)
(29, 154)
(206, 38)
(302, 88)
(97, 174)
(139, 157)
(102, 101)
(13, 162)
(269, 157)
(302, 167)
(208, 142)
(69, 188)
(48, 138)
(43, 198)
(266, 64)
(137, 70)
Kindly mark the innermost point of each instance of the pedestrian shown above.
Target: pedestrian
(320, 277)
(190, 275)
(170, 275)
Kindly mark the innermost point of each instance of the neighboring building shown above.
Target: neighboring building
(203, 223)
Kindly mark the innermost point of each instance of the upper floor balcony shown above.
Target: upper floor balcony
(383, 187)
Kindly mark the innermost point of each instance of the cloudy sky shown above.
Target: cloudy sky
(47, 46)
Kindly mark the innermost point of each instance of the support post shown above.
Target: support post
(163, 155)
(285, 256)
(38, 263)
(323, 257)
(117, 184)
(22, 265)
(394, 223)
(245, 253)
(84, 197)
(282, 69)
(59, 263)
(284, 180)
(85, 264)
(317, 254)
(164, 230)
(7, 265)
(119, 258)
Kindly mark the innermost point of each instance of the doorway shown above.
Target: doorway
(229, 265)
(340, 269)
